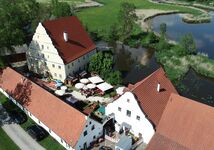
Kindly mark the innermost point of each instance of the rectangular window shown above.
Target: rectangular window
(128, 113)
(42, 46)
(59, 67)
(68, 66)
(53, 65)
(49, 130)
(92, 128)
(78, 60)
(55, 74)
(128, 100)
(72, 64)
(60, 75)
(85, 133)
(119, 108)
(138, 117)
(61, 140)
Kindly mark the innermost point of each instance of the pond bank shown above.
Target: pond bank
(147, 14)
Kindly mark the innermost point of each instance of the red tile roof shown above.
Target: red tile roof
(186, 122)
(160, 142)
(65, 121)
(152, 102)
(79, 42)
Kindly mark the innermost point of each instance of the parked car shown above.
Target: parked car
(37, 132)
(105, 148)
(4, 117)
(18, 117)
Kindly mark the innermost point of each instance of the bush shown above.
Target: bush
(114, 78)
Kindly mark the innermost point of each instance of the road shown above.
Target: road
(18, 134)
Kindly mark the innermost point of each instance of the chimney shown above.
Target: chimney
(158, 87)
(65, 35)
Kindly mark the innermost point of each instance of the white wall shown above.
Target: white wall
(42, 55)
(37, 121)
(97, 132)
(142, 126)
(79, 64)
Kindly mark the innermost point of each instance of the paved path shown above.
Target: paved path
(79, 96)
(21, 138)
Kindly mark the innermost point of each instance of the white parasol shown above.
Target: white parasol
(84, 80)
(79, 85)
(60, 92)
(91, 86)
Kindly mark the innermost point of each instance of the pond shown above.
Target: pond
(193, 85)
(136, 64)
(202, 33)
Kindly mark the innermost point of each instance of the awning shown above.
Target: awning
(104, 86)
(95, 79)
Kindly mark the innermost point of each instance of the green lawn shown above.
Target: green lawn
(49, 143)
(6, 143)
(101, 18)
(69, 1)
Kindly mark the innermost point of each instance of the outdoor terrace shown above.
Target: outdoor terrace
(85, 92)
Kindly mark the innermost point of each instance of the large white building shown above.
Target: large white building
(67, 125)
(60, 47)
(140, 108)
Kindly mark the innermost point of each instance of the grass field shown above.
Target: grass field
(101, 18)
(69, 1)
(6, 142)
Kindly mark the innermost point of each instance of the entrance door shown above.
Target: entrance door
(85, 146)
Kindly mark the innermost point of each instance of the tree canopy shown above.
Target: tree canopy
(61, 9)
(187, 43)
(127, 18)
(16, 17)
(102, 63)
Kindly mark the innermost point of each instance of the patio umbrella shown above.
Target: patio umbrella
(91, 86)
(79, 85)
(60, 92)
(85, 87)
(119, 90)
(64, 88)
(84, 80)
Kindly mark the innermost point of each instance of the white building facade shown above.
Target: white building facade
(127, 111)
(44, 58)
(92, 131)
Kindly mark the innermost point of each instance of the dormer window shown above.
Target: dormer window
(128, 100)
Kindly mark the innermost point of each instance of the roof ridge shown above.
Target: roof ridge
(140, 82)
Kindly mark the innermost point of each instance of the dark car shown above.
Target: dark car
(37, 132)
(18, 117)
(105, 148)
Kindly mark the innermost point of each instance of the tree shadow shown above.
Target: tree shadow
(22, 92)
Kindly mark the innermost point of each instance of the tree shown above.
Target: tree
(61, 9)
(162, 44)
(187, 43)
(16, 17)
(101, 63)
(127, 18)
(113, 35)
(163, 29)
(114, 78)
